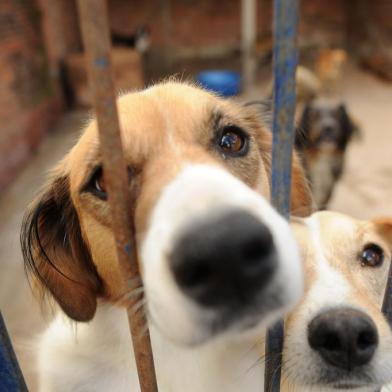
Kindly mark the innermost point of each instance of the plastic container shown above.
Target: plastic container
(223, 82)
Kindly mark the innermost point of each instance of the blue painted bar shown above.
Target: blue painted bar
(11, 378)
(285, 63)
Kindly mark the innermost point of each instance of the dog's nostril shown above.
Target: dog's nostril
(366, 339)
(224, 259)
(256, 247)
(332, 342)
(194, 274)
(345, 338)
(252, 251)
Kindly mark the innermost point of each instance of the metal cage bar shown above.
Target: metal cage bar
(284, 64)
(11, 378)
(96, 38)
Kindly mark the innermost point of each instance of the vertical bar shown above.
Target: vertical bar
(248, 39)
(96, 40)
(387, 302)
(285, 63)
(11, 378)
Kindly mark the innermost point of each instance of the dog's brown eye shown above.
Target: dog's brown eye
(96, 184)
(100, 184)
(233, 141)
(372, 256)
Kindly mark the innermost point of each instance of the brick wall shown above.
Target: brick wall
(28, 102)
(60, 29)
(36, 35)
(201, 23)
(382, 14)
(195, 23)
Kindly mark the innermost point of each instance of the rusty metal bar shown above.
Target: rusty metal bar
(285, 63)
(11, 378)
(96, 39)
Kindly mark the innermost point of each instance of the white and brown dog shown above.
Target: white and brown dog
(336, 337)
(215, 257)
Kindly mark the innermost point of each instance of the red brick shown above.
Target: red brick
(27, 101)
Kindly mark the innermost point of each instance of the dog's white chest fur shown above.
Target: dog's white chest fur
(98, 357)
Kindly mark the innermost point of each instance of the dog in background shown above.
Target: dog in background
(329, 68)
(215, 257)
(140, 40)
(324, 132)
(308, 86)
(337, 338)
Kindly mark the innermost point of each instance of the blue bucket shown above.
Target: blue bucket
(224, 83)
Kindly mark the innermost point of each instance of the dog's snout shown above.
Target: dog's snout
(224, 260)
(345, 338)
(328, 130)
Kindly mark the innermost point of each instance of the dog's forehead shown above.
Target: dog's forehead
(328, 227)
(325, 107)
(327, 235)
(163, 115)
(336, 228)
(169, 108)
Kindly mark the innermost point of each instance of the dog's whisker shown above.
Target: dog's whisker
(131, 282)
(128, 294)
(144, 329)
(134, 308)
(134, 293)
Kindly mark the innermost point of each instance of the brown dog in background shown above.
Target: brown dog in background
(326, 127)
(324, 133)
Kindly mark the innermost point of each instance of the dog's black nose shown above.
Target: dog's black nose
(225, 260)
(345, 337)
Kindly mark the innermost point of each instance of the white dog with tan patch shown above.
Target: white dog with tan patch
(337, 338)
(215, 257)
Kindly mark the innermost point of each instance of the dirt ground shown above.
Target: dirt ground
(364, 191)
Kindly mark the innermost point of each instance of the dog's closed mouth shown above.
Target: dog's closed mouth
(354, 384)
(347, 386)
(349, 380)
(247, 317)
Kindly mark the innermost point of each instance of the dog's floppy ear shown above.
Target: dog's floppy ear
(302, 132)
(301, 196)
(348, 127)
(55, 253)
(263, 109)
(384, 228)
